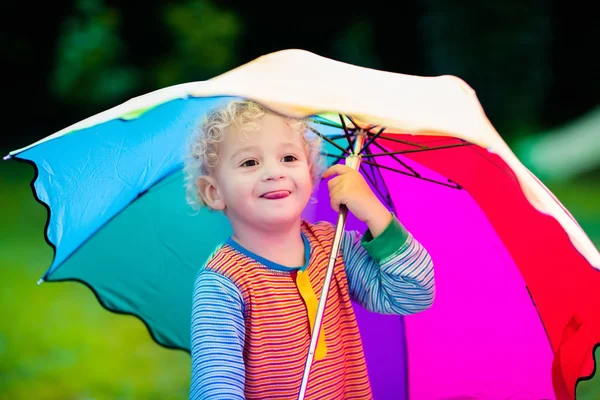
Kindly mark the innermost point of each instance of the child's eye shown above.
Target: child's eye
(249, 163)
(289, 158)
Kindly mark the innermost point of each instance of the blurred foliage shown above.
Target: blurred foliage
(530, 62)
(501, 50)
(580, 197)
(566, 151)
(205, 42)
(91, 63)
(354, 44)
(94, 68)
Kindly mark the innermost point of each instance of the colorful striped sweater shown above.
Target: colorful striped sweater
(250, 329)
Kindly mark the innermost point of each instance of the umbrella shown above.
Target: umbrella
(516, 305)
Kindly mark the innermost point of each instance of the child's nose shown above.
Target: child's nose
(273, 171)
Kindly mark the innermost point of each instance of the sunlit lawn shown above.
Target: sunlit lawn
(56, 341)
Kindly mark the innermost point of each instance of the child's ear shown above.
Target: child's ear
(207, 188)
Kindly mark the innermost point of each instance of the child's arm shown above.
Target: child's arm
(389, 274)
(217, 339)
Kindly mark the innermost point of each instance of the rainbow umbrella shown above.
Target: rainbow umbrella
(517, 303)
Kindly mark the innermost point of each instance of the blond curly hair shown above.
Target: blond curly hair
(201, 155)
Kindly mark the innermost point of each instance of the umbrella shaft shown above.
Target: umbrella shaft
(352, 161)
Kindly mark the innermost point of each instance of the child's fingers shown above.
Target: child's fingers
(335, 203)
(336, 197)
(334, 182)
(337, 169)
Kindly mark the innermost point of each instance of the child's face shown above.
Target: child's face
(263, 177)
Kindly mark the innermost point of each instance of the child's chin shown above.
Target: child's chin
(280, 217)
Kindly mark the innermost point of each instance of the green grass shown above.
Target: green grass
(56, 341)
(582, 199)
(590, 389)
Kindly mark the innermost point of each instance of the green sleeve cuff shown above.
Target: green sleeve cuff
(392, 238)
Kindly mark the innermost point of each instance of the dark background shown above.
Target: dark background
(534, 64)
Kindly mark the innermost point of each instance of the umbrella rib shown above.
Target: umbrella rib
(373, 184)
(371, 179)
(511, 176)
(455, 186)
(391, 153)
(334, 137)
(337, 158)
(387, 190)
(396, 159)
(371, 167)
(345, 151)
(421, 146)
(347, 133)
(443, 139)
(387, 198)
(323, 121)
(351, 120)
(371, 140)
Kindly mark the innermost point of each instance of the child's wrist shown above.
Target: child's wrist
(378, 219)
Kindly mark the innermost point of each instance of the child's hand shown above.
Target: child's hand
(351, 189)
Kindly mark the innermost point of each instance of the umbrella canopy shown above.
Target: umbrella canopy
(516, 276)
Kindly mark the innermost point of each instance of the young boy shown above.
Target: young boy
(255, 300)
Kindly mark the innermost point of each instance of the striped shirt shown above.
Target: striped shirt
(250, 323)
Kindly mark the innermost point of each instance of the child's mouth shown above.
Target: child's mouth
(275, 195)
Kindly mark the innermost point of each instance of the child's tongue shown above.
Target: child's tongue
(280, 194)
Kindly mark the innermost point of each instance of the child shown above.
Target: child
(255, 300)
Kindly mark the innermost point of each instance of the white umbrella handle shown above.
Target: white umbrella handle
(352, 161)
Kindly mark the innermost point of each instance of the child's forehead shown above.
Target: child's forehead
(265, 132)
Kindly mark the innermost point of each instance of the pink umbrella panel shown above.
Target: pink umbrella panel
(503, 299)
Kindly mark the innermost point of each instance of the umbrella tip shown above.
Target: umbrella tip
(7, 157)
(40, 282)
